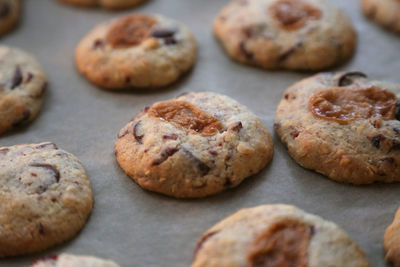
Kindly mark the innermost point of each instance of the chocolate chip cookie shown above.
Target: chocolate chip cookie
(45, 197)
(69, 260)
(286, 34)
(22, 87)
(110, 4)
(195, 145)
(136, 51)
(392, 241)
(344, 126)
(276, 235)
(9, 15)
(383, 12)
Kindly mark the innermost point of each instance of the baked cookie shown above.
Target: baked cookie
(22, 86)
(391, 241)
(286, 34)
(195, 145)
(276, 235)
(9, 15)
(137, 50)
(344, 126)
(45, 197)
(110, 4)
(384, 12)
(68, 260)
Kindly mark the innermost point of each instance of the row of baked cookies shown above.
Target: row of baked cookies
(151, 51)
(202, 143)
(141, 51)
(268, 235)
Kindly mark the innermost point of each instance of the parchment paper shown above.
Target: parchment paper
(137, 228)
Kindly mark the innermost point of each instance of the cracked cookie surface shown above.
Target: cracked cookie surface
(9, 15)
(195, 145)
(276, 235)
(383, 12)
(69, 260)
(110, 4)
(136, 51)
(22, 88)
(344, 126)
(286, 34)
(45, 197)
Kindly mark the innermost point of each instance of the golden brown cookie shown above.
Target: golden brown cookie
(286, 34)
(344, 126)
(136, 51)
(45, 197)
(9, 15)
(383, 12)
(22, 88)
(192, 146)
(276, 236)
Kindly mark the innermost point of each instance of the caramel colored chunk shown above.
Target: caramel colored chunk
(283, 244)
(344, 105)
(130, 30)
(293, 14)
(187, 116)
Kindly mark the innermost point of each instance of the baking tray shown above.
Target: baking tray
(135, 227)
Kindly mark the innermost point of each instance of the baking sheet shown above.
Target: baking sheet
(138, 228)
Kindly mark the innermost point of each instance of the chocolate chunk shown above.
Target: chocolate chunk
(228, 182)
(294, 133)
(17, 78)
(202, 240)
(98, 43)
(237, 126)
(312, 230)
(25, 117)
(395, 145)
(243, 49)
(168, 152)
(5, 10)
(376, 140)
(163, 33)
(29, 77)
(41, 229)
(388, 160)
(49, 167)
(285, 55)
(346, 78)
(213, 152)
(170, 41)
(4, 151)
(138, 137)
(201, 166)
(170, 136)
(397, 111)
(47, 145)
(396, 130)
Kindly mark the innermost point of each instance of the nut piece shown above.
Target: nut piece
(344, 105)
(187, 116)
(130, 31)
(283, 244)
(293, 14)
